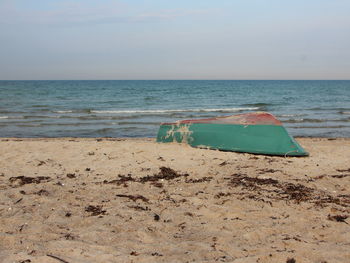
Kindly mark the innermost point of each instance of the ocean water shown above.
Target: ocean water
(136, 108)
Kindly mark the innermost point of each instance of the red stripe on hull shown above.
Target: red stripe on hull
(255, 118)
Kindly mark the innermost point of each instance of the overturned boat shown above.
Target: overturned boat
(257, 132)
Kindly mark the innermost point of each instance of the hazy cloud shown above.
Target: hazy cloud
(174, 39)
(80, 14)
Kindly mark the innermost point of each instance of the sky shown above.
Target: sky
(167, 39)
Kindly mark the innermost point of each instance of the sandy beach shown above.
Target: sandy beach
(134, 200)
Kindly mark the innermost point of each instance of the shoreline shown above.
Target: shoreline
(118, 199)
(138, 138)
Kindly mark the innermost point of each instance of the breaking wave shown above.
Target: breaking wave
(320, 127)
(290, 115)
(63, 111)
(173, 111)
(314, 120)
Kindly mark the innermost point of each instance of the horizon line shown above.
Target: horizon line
(174, 79)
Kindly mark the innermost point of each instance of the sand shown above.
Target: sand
(134, 200)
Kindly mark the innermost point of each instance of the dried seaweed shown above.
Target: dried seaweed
(343, 170)
(134, 197)
(57, 258)
(71, 175)
(19, 200)
(333, 175)
(250, 182)
(42, 192)
(123, 179)
(165, 173)
(41, 163)
(219, 195)
(157, 184)
(268, 170)
(258, 188)
(22, 180)
(95, 210)
(338, 218)
(201, 180)
(340, 175)
(296, 192)
(223, 163)
(139, 208)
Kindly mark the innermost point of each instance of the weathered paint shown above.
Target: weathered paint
(259, 133)
(244, 119)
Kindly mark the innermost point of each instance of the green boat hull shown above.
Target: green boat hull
(257, 139)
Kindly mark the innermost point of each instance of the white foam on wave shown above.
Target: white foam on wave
(170, 111)
(4, 117)
(290, 115)
(63, 111)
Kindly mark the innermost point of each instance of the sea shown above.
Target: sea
(135, 108)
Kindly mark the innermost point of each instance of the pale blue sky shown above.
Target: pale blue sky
(163, 39)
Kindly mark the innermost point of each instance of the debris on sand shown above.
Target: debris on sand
(95, 210)
(256, 188)
(139, 208)
(71, 175)
(250, 182)
(338, 218)
(134, 197)
(42, 192)
(297, 192)
(340, 175)
(57, 258)
(165, 173)
(343, 170)
(157, 184)
(123, 179)
(41, 163)
(200, 180)
(262, 171)
(22, 180)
